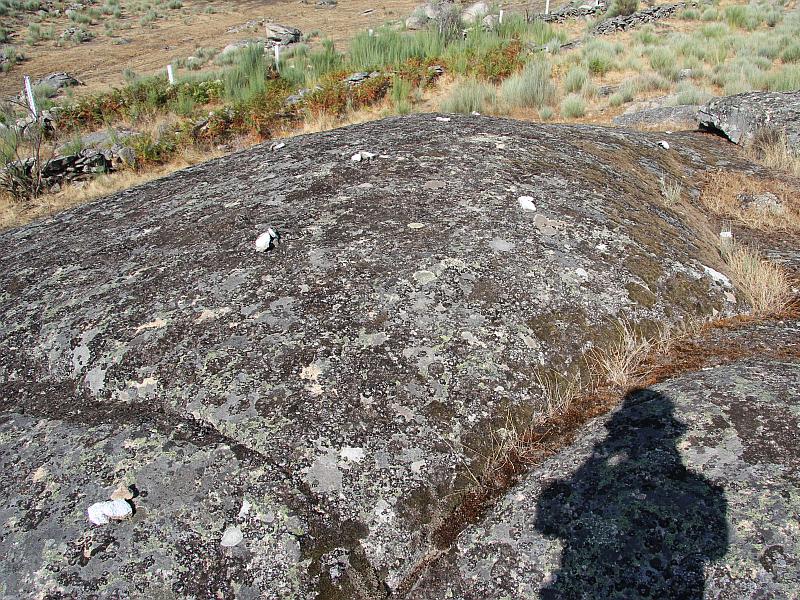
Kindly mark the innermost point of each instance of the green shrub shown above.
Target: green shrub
(623, 7)
(545, 113)
(664, 62)
(576, 79)
(573, 106)
(471, 96)
(710, 14)
(531, 88)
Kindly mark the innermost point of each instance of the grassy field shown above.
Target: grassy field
(228, 101)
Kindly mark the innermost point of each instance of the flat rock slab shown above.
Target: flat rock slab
(690, 489)
(666, 117)
(742, 116)
(326, 396)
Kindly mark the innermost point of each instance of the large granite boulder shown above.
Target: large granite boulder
(741, 117)
(326, 397)
(690, 489)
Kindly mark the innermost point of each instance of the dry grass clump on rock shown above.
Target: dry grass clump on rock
(765, 286)
(759, 203)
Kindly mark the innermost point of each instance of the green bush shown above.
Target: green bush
(531, 88)
(664, 62)
(623, 7)
(689, 94)
(573, 106)
(386, 48)
(471, 96)
(576, 79)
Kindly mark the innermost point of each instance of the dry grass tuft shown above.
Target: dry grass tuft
(620, 363)
(726, 194)
(559, 390)
(766, 287)
(775, 152)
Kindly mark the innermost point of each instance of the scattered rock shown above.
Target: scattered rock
(123, 492)
(267, 240)
(743, 117)
(647, 15)
(282, 34)
(232, 537)
(527, 203)
(100, 513)
(765, 203)
(475, 12)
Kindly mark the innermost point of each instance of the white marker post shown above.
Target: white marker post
(500, 19)
(277, 57)
(170, 75)
(547, 7)
(29, 94)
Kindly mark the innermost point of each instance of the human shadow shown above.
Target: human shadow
(634, 521)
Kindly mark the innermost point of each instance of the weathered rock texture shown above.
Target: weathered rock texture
(690, 489)
(640, 17)
(741, 117)
(675, 117)
(323, 397)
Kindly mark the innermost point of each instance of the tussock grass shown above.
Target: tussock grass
(620, 362)
(671, 191)
(532, 87)
(471, 95)
(724, 191)
(776, 153)
(573, 106)
(765, 286)
(558, 390)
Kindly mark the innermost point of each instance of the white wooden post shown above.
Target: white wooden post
(547, 7)
(29, 94)
(370, 33)
(170, 75)
(277, 57)
(501, 16)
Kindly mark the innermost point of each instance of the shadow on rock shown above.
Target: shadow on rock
(634, 521)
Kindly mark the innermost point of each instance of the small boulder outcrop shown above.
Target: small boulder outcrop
(742, 117)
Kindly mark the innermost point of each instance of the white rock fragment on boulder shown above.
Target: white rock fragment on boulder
(526, 202)
(359, 156)
(717, 276)
(277, 146)
(232, 537)
(443, 119)
(352, 454)
(663, 144)
(266, 240)
(100, 513)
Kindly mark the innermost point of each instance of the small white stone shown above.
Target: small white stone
(356, 157)
(526, 202)
(416, 225)
(277, 146)
(246, 506)
(443, 119)
(663, 144)
(352, 454)
(101, 512)
(264, 241)
(582, 273)
(232, 537)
